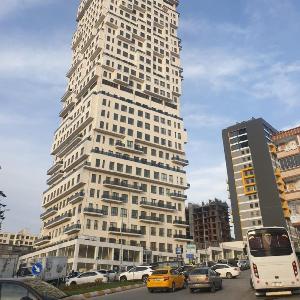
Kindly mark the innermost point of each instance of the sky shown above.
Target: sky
(240, 59)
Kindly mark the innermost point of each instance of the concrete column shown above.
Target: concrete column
(76, 253)
(96, 257)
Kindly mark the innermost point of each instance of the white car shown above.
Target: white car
(137, 273)
(110, 274)
(87, 277)
(226, 271)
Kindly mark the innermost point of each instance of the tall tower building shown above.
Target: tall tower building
(256, 188)
(117, 185)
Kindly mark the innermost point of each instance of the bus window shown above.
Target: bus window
(269, 242)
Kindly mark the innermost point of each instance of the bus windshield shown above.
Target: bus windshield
(269, 242)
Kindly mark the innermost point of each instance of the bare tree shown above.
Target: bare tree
(2, 207)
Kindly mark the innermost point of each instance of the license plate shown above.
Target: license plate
(276, 284)
(157, 279)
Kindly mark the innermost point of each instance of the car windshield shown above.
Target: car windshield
(160, 272)
(199, 272)
(269, 242)
(45, 288)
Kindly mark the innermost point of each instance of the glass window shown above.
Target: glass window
(10, 291)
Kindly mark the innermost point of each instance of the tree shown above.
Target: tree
(2, 207)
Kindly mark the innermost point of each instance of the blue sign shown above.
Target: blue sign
(178, 251)
(37, 269)
(190, 256)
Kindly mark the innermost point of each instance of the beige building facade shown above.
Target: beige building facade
(288, 153)
(22, 238)
(118, 180)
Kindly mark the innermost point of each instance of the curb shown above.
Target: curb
(105, 292)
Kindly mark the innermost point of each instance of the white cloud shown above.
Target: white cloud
(198, 120)
(208, 183)
(258, 75)
(8, 7)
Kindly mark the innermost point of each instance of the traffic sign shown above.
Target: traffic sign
(37, 268)
(190, 256)
(178, 251)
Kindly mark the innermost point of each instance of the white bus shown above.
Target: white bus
(273, 261)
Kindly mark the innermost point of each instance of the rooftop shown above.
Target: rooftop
(286, 133)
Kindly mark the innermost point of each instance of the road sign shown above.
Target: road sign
(178, 251)
(190, 256)
(37, 269)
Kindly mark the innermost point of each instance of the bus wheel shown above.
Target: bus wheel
(251, 284)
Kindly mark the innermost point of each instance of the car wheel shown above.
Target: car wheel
(185, 284)
(145, 278)
(251, 284)
(221, 285)
(173, 288)
(150, 290)
(123, 278)
(228, 275)
(258, 294)
(191, 291)
(213, 288)
(73, 283)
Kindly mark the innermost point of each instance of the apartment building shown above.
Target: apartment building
(209, 223)
(22, 238)
(117, 184)
(256, 188)
(288, 153)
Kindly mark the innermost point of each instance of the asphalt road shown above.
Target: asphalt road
(233, 289)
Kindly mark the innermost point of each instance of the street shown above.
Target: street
(233, 289)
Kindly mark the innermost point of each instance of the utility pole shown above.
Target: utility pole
(204, 235)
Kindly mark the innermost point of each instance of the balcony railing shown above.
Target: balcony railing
(123, 185)
(113, 199)
(42, 241)
(178, 196)
(182, 237)
(158, 205)
(55, 168)
(134, 148)
(180, 223)
(58, 220)
(72, 229)
(93, 211)
(76, 198)
(125, 231)
(55, 177)
(151, 219)
(180, 161)
(48, 213)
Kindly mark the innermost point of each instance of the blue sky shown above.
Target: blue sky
(240, 59)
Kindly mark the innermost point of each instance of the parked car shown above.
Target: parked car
(29, 289)
(226, 271)
(73, 274)
(166, 279)
(243, 264)
(109, 274)
(204, 278)
(87, 277)
(136, 273)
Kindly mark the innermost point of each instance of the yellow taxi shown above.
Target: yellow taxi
(166, 279)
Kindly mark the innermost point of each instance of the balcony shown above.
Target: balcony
(182, 237)
(292, 195)
(49, 213)
(83, 9)
(74, 135)
(158, 206)
(110, 132)
(77, 40)
(66, 95)
(55, 177)
(178, 196)
(290, 173)
(76, 198)
(42, 241)
(100, 20)
(90, 211)
(57, 221)
(71, 145)
(150, 219)
(180, 223)
(76, 162)
(123, 186)
(72, 229)
(125, 231)
(55, 167)
(113, 199)
(180, 161)
(88, 86)
(66, 109)
(133, 149)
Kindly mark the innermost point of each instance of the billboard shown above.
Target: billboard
(7, 267)
(54, 267)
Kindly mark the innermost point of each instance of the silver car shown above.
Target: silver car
(204, 278)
